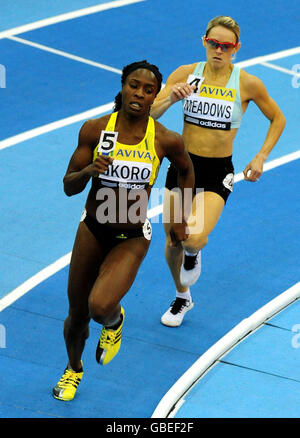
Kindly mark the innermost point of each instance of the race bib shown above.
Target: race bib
(107, 143)
(209, 106)
(147, 229)
(228, 181)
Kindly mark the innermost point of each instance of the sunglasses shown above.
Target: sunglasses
(215, 44)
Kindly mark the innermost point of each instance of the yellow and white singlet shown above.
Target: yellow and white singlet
(134, 166)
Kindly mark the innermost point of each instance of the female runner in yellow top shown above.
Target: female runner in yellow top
(215, 95)
(122, 153)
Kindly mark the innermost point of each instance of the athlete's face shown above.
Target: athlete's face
(139, 91)
(215, 55)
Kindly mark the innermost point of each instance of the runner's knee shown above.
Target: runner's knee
(100, 311)
(195, 242)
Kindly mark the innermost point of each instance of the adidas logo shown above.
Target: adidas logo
(121, 236)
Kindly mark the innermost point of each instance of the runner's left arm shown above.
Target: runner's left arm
(177, 154)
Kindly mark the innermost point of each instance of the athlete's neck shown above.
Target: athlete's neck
(131, 120)
(132, 124)
(217, 73)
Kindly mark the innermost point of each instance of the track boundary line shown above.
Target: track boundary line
(65, 54)
(66, 16)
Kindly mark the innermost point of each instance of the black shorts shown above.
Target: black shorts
(109, 236)
(211, 175)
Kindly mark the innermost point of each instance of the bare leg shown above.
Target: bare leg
(115, 278)
(213, 206)
(98, 279)
(84, 267)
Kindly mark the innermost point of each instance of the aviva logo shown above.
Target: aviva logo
(134, 154)
(217, 92)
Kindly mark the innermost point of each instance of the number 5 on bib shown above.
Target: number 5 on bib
(107, 143)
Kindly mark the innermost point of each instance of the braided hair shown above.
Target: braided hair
(129, 69)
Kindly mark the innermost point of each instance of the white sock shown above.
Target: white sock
(185, 295)
(191, 254)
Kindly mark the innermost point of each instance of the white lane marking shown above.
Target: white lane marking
(45, 273)
(167, 408)
(65, 54)
(281, 69)
(19, 138)
(270, 57)
(273, 163)
(34, 281)
(67, 16)
(282, 160)
(11, 141)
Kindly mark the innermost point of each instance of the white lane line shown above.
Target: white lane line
(67, 16)
(38, 278)
(50, 270)
(11, 141)
(167, 407)
(273, 163)
(271, 57)
(282, 160)
(45, 273)
(281, 69)
(65, 54)
(19, 138)
(118, 71)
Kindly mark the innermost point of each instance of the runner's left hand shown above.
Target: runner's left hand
(178, 233)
